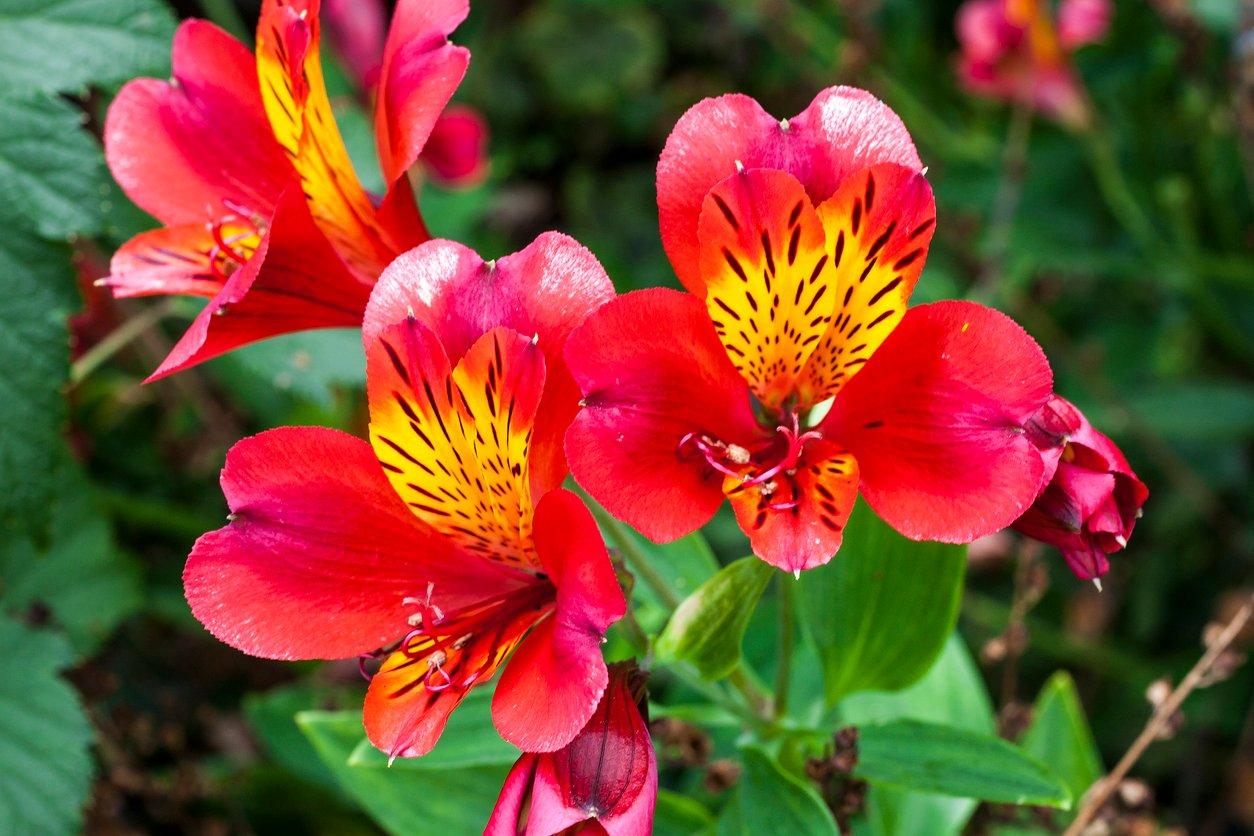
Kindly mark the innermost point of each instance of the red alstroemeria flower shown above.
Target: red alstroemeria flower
(428, 543)
(690, 398)
(456, 152)
(1012, 51)
(241, 160)
(1092, 503)
(604, 781)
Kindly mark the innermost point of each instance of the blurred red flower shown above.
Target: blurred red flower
(242, 162)
(1090, 506)
(444, 545)
(791, 375)
(1013, 50)
(457, 149)
(603, 781)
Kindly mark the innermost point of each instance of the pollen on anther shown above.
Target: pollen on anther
(783, 124)
(740, 167)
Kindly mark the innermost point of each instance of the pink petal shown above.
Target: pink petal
(842, 131)
(936, 420)
(457, 148)
(652, 371)
(421, 69)
(515, 793)
(183, 150)
(546, 289)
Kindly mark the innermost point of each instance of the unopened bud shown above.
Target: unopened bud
(1158, 691)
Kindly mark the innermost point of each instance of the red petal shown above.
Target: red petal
(799, 524)
(457, 148)
(421, 69)
(553, 681)
(842, 131)
(179, 150)
(169, 260)
(936, 422)
(294, 282)
(546, 289)
(653, 371)
(319, 552)
(454, 442)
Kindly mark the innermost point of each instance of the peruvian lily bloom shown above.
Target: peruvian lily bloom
(240, 159)
(604, 781)
(791, 375)
(1013, 51)
(435, 548)
(456, 150)
(1090, 506)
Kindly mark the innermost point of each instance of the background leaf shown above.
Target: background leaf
(403, 801)
(952, 693)
(1060, 736)
(54, 45)
(880, 611)
(709, 625)
(45, 764)
(951, 761)
(772, 801)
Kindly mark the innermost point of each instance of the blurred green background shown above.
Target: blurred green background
(1129, 256)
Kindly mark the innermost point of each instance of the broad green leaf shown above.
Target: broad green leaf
(942, 759)
(1060, 736)
(45, 763)
(77, 571)
(951, 693)
(470, 739)
(435, 801)
(708, 627)
(772, 801)
(678, 815)
(64, 45)
(880, 611)
(273, 716)
(50, 174)
(51, 171)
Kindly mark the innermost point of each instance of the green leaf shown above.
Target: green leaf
(708, 626)
(50, 174)
(436, 801)
(79, 574)
(311, 364)
(44, 735)
(880, 611)
(678, 815)
(772, 801)
(470, 739)
(273, 716)
(951, 693)
(64, 45)
(1060, 736)
(952, 761)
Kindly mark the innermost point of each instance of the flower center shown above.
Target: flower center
(236, 236)
(760, 466)
(456, 649)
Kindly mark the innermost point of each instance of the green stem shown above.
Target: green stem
(226, 15)
(787, 633)
(1014, 163)
(118, 339)
(755, 695)
(1117, 193)
(635, 558)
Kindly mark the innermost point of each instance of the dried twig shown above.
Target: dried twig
(1162, 717)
